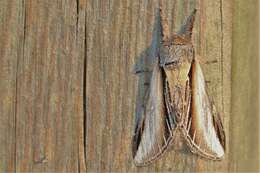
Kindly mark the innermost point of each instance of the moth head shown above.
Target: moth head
(177, 48)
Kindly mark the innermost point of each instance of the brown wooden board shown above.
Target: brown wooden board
(11, 39)
(244, 128)
(69, 95)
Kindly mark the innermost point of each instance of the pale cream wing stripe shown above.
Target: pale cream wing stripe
(203, 131)
(154, 134)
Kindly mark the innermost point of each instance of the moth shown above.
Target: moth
(177, 102)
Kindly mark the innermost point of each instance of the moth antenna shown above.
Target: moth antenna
(164, 25)
(186, 30)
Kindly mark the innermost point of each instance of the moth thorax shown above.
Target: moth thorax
(174, 55)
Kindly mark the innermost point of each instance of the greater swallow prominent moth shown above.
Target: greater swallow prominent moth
(177, 101)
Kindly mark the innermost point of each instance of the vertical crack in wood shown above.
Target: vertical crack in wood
(78, 167)
(222, 56)
(85, 92)
(77, 18)
(16, 81)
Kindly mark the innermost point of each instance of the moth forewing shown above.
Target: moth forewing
(204, 136)
(154, 133)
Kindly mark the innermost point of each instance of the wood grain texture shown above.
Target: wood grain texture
(69, 94)
(245, 88)
(11, 38)
(49, 97)
(42, 57)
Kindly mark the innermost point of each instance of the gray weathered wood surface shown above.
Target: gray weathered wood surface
(69, 96)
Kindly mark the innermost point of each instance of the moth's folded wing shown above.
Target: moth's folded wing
(153, 133)
(204, 131)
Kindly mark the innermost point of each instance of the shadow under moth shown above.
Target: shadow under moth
(177, 101)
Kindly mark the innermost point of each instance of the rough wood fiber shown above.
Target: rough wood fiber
(122, 36)
(11, 38)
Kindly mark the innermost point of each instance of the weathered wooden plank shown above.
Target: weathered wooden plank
(44, 79)
(49, 118)
(11, 39)
(244, 143)
(123, 36)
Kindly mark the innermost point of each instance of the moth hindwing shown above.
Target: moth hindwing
(177, 102)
